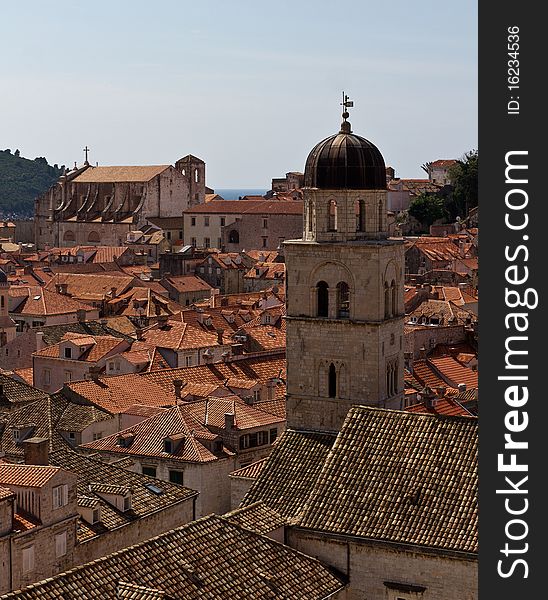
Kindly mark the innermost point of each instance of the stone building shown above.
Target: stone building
(344, 286)
(101, 205)
(292, 181)
(361, 485)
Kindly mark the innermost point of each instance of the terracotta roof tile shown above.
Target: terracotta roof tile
(26, 475)
(120, 174)
(252, 471)
(257, 517)
(215, 558)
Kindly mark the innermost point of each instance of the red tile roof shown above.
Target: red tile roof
(36, 300)
(120, 174)
(26, 475)
(455, 373)
(443, 406)
(252, 471)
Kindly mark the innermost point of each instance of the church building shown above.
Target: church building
(385, 497)
(344, 282)
(91, 206)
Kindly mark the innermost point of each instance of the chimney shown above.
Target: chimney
(36, 451)
(139, 333)
(178, 386)
(113, 291)
(62, 288)
(162, 320)
(428, 397)
(81, 315)
(461, 387)
(229, 421)
(94, 372)
(40, 340)
(440, 391)
(220, 336)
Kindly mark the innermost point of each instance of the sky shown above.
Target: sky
(249, 86)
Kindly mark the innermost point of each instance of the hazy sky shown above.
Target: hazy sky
(247, 85)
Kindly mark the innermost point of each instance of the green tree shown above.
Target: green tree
(427, 208)
(464, 179)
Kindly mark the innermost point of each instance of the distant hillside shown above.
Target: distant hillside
(21, 180)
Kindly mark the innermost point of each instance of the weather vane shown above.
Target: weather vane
(346, 103)
(86, 150)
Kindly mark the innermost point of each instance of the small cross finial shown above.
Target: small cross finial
(86, 150)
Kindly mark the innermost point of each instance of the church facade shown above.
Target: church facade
(92, 206)
(344, 282)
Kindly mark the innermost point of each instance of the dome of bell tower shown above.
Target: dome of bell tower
(345, 161)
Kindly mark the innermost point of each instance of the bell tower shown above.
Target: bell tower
(344, 286)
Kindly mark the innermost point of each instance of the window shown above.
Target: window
(176, 477)
(96, 515)
(233, 237)
(323, 299)
(168, 235)
(16, 434)
(265, 242)
(343, 300)
(333, 216)
(223, 221)
(273, 435)
(219, 243)
(265, 223)
(68, 352)
(60, 496)
(127, 503)
(188, 361)
(61, 544)
(68, 376)
(150, 471)
(97, 436)
(72, 435)
(28, 559)
(168, 446)
(193, 241)
(332, 381)
(207, 242)
(262, 438)
(206, 221)
(193, 221)
(360, 215)
(46, 376)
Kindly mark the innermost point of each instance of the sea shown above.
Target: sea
(237, 193)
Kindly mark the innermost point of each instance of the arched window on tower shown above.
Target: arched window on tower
(196, 175)
(386, 301)
(234, 237)
(343, 300)
(69, 236)
(323, 299)
(333, 216)
(360, 215)
(309, 216)
(394, 311)
(380, 216)
(332, 392)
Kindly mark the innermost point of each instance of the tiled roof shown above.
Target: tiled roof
(149, 435)
(6, 493)
(116, 394)
(211, 413)
(260, 368)
(252, 471)
(130, 591)
(382, 480)
(36, 300)
(257, 517)
(93, 286)
(214, 558)
(443, 163)
(426, 376)
(455, 373)
(188, 283)
(22, 521)
(443, 406)
(439, 251)
(291, 471)
(26, 475)
(17, 392)
(97, 347)
(48, 416)
(119, 174)
(179, 336)
(95, 476)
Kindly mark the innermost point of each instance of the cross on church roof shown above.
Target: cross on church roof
(86, 150)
